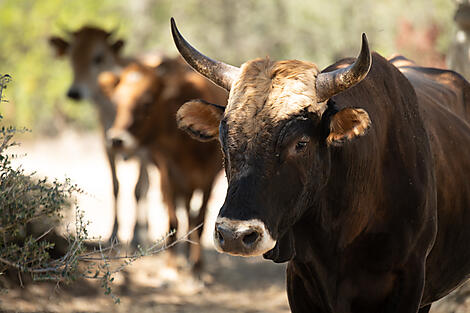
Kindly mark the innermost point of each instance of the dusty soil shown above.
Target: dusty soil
(231, 284)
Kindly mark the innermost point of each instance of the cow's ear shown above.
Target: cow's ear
(117, 46)
(107, 82)
(59, 45)
(200, 119)
(346, 125)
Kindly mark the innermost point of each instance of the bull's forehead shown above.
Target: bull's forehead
(268, 92)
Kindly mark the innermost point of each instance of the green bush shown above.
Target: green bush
(27, 201)
(27, 204)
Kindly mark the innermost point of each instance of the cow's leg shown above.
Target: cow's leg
(140, 235)
(195, 250)
(112, 165)
(187, 207)
(169, 198)
(171, 206)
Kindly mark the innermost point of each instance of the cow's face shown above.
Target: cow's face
(90, 52)
(276, 133)
(275, 153)
(134, 93)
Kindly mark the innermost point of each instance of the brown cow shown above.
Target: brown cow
(147, 100)
(92, 51)
(355, 176)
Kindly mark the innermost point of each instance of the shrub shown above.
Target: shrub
(26, 201)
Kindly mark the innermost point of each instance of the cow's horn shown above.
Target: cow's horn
(113, 32)
(65, 29)
(220, 73)
(330, 83)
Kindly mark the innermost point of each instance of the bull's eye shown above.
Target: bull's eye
(147, 104)
(301, 145)
(98, 59)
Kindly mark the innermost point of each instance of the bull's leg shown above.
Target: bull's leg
(112, 165)
(408, 290)
(140, 235)
(300, 297)
(425, 309)
(195, 253)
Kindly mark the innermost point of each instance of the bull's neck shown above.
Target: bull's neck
(337, 217)
(350, 197)
(317, 262)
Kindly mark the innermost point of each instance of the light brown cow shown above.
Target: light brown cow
(147, 100)
(92, 51)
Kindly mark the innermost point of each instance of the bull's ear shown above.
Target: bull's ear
(59, 45)
(346, 125)
(200, 119)
(117, 46)
(107, 82)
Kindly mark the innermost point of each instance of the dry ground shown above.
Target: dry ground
(232, 284)
(235, 285)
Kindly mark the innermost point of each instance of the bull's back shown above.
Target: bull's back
(447, 88)
(444, 106)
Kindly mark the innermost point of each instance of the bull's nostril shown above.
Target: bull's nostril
(220, 237)
(250, 238)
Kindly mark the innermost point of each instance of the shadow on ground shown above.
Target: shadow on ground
(231, 285)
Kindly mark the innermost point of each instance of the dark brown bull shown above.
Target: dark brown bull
(147, 100)
(359, 182)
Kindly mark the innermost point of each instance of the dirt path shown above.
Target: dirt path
(233, 284)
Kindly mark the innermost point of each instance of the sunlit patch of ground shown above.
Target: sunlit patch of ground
(233, 284)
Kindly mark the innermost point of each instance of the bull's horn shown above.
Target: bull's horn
(330, 83)
(220, 73)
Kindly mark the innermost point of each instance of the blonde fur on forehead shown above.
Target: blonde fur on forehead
(267, 92)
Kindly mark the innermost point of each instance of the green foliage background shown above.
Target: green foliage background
(232, 31)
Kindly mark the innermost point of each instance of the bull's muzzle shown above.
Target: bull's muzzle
(245, 238)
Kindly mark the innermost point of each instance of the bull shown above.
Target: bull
(355, 175)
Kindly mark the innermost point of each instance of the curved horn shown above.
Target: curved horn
(220, 73)
(330, 83)
(65, 29)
